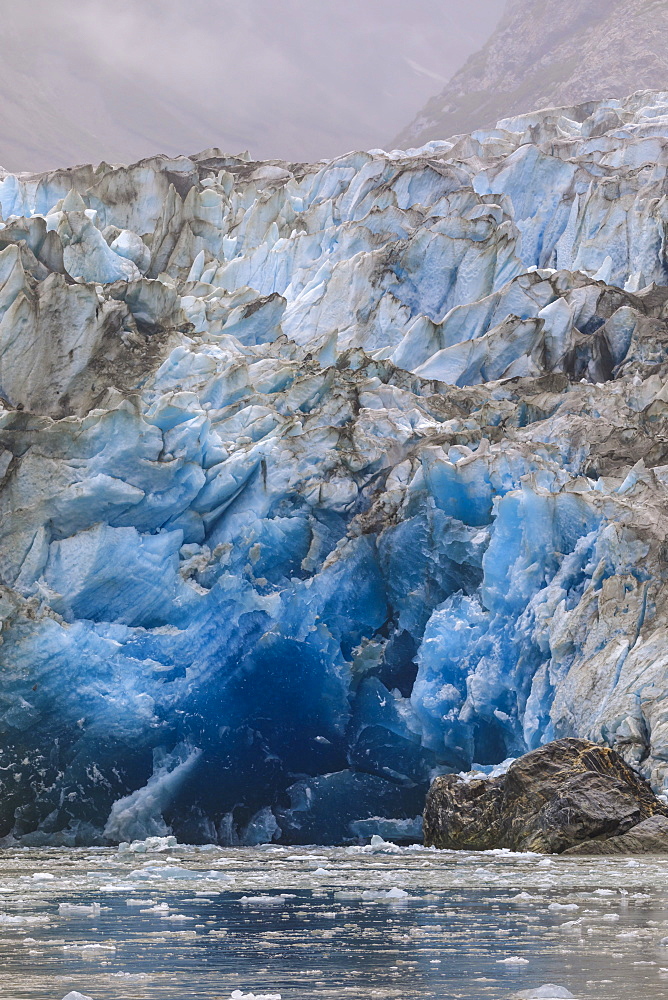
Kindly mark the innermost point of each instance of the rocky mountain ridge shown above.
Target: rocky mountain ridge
(547, 55)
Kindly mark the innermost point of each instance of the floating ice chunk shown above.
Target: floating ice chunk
(396, 893)
(177, 872)
(238, 995)
(377, 843)
(512, 960)
(305, 857)
(76, 996)
(547, 992)
(31, 918)
(79, 909)
(380, 846)
(90, 947)
(571, 925)
(151, 845)
(263, 900)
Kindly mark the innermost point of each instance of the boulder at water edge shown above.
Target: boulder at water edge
(564, 794)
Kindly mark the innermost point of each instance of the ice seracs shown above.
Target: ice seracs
(319, 480)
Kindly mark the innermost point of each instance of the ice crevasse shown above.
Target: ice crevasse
(317, 480)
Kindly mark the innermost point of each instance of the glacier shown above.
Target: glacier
(319, 480)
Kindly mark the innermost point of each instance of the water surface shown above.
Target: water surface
(200, 923)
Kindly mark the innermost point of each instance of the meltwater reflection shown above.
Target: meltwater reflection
(329, 923)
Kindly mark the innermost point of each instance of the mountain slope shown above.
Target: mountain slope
(546, 56)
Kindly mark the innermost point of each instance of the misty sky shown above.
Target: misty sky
(295, 79)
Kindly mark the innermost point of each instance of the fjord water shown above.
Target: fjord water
(329, 923)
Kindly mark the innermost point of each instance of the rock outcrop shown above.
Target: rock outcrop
(648, 837)
(561, 795)
(550, 55)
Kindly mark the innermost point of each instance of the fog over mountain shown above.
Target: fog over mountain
(85, 80)
(547, 55)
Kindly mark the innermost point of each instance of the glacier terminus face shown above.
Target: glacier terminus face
(317, 481)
